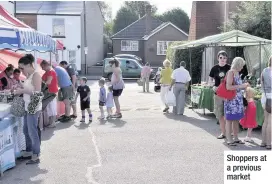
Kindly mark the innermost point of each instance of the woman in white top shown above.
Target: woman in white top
(31, 84)
(117, 85)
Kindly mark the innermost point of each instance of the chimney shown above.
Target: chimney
(148, 27)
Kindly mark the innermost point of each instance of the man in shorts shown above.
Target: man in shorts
(217, 74)
(66, 91)
(72, 73)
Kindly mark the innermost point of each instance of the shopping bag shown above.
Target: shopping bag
(170, 98)
(140, 82)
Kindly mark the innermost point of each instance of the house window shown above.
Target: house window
(162, 47)
(58, 27)
(129, 45)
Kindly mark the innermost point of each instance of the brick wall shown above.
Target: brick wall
(208, 16)
(30, 20)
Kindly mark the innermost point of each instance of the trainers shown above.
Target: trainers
(90, 121)
(248, 139)
(101, 117)
(166, 109)
(73, 116)
(221, 136)
(34, 160)
(53, 125)
(82, 121)
(65, 119)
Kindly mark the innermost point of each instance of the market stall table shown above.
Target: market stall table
(202, 96)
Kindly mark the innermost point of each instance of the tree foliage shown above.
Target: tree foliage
(176, 56)
(124, 17)
(253, 17)
(106, 10)
(139, 7)
(178, 17)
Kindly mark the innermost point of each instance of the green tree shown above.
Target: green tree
(108, 28)
(124, 17)
(105, 10)
(139, 7)
(253, 17)
(178, 17)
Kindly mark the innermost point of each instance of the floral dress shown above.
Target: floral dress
(234, 109)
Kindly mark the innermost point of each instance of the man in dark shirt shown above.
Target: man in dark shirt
(217, 74)
(72, 73)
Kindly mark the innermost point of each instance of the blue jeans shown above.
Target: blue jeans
(31, 133)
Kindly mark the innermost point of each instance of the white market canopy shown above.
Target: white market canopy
(233, 38)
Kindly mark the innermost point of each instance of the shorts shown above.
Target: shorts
(102, 103)
(73, 102)
(117, 92)
(84, 105)
(218, 107)
(67, 93)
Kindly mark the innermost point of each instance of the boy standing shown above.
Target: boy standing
(102, 98)
(84, 91)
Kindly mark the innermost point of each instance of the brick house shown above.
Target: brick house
(208, 16)
(147, 38)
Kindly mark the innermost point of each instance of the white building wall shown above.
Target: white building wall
(72, 35)
(94, 30)
(8, 6)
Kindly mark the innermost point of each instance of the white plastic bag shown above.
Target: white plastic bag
(170, 98)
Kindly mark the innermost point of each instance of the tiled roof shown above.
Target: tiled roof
(137, 30)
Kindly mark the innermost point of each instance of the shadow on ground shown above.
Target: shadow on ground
(205, 124)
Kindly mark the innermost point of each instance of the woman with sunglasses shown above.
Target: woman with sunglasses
(32, 84)
(217, 74)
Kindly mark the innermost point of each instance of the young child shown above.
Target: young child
(84, 91)
(249, 120)
(102, 97)
(109, 102)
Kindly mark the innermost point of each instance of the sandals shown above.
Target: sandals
(239, 142)
(231, 143)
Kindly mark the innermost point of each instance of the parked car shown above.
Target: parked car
(127, 56)
(131, 68)
(130, 56)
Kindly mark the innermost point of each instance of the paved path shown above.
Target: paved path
(144, 147)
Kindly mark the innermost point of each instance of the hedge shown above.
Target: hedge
(176, 56)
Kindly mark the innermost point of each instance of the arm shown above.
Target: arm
(173, 80)
(36, 81)
(229, 82)
(49, 80)
(76, 96)
(74, 79)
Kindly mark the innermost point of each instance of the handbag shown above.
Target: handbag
(18, 107)
(223, 92)
(35, 101)
(47, 96)
(267, 101)
(157, 88)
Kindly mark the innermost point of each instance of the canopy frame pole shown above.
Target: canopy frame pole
(260, 57)
(50, 58)
(205, 64)
(35, 57)
(191, 82)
